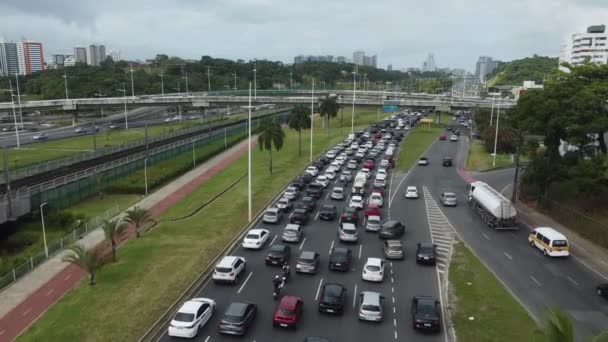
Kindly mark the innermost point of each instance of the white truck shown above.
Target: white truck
(495, 209)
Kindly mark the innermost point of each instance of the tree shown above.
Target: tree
(299, 119)
(111, 229)
(270, 135)
(138, 217)
(87, 260)
(328, 108)
(558, 327)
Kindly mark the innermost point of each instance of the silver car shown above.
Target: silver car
(347, 232)
(371, 306)
(291, 193)
(448, 199)
(292, 233)
(337, 193)
(272, 215)
(373, 223)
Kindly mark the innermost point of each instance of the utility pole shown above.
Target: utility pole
(516, 175)
(496, 135)
(312, 112)
(255, 84)
(19, 101)
(352, 120)
(14, 113)
(208, 81)
(249, 156)
(132, 87)
(162, 84)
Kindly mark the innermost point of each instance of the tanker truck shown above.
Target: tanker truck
(494, 208)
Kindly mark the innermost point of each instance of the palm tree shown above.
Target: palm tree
(87, 260)
(328, 108)
(138, 217)
(558, 327)
(111, 229)
(270, 134)
(299, 119)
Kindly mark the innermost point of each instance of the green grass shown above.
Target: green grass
(414, 145)
(477, 293)
(153, 270)
(480, 160)
(95, 206)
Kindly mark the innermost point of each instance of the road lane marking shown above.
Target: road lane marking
(508, 256)
(393, 297)
(2, 332)
(536, 281)
(395, 322)
(271, 242)
(392, 280)
(317, 215)
(394, 310)
(360, 250)
(572, 281)
(355, 297)
(50, 291)
(26, 311)
(575, 316)
(68, 277)
(485, 236)
(589, 267)
(319, 289)
(302, 244)
(390, 187)
(207, 339)
(327, 196)
(245, 282)
(392, 289)
(331, 247)
(395, 334)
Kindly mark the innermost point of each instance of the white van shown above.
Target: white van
(550, 242)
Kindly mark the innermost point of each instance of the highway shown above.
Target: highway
(403, 280)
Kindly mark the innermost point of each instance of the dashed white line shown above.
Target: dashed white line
(355, 297)
(317, 215)
(327, 196)
(245, 282)
(302, 244)
(392, 280)
(508, 256)
(393, 298)
(207, 339)
(331, 247)
(395, 322)
(572, 281)
(395, 334)
(392, 289)
(394, 310)
(485, 236)
(360, 250)
(319, 289)
(26, 311)
(536, 281)
(275, 237)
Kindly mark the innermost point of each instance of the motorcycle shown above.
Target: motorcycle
(277, 290)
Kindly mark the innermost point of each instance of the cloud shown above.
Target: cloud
(400, 32)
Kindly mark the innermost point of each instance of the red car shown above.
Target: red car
(442, 137)
(369, 164)
(349, 214)
(372, 210)
(378, 190)
(288, 312)
(378, 135)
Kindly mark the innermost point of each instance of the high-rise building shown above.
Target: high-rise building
(58, 60)
(484, 66)
(429, 63)
(115, 54)
(80, 55)
(389, 67)
(31, 57)
(69, 61)
(96, 54)
(590, 46)
(9, 59)
(341, 59)
(413, 69)
(359, 57)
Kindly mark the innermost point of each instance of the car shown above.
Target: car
(332, 299)
(314, 190)
(299, 216)
(376, 198)
(81, 130)
(393, 249)
(113, 126)
(328, 212)
(237, 318)
(447, 161)
(349, 214)
(308, 262)
(284, 205)
(448, 199)
(346, 177)
(347, 232)
(337, 164)
(356, 202)
(330, 174)
(369, 164)
(190, 317)
(391, 229)
(322, 180)
(426, 253)
(331, 154)
(380, 181)
(307, 203)
(602, 290)
(371, 306)
(352, 164)
(312, 170)
(426, 313)
(40, 136)
(457, 132)
(337, 193)
(288, 312)
(229, 269)
(377, 189)
(348, 151)
(291, 193)
(442, 137)
(307, 178)
(382, 172)
(256, 238)
(411, 192)
(423, 161)
(372, 209)
(272, 215)
(372, 223)
(365, 171)
(373, 270)
(278, 254)
(454, 137)
(292, 233)
(340, 259)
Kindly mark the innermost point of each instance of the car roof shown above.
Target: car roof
(449, 193)
(257, 231)
(338, 188)
(412, 187)
(292, 226)
(328, 206)
(277, 247)
(426, 245)
(307, 254)
(227, 261)
(341, 250)
(394, 242)
(348, 225)
(357, 197)
(425, 299)
(289, 302)
(374, 261)
(190, 306)
(370, 298)
(236, 308)
(300, 211)
(273, 209)
(333, 287)
(550, 233)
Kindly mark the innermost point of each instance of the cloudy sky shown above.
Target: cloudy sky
(401, 32)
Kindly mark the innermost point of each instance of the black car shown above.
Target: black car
(349, 214)
(425, 313)
(299, 216)
(333, 298)
(307, 203)
(457, 132)
(278, 254)
(298, 183)
(238, 318)
(314, 190)
(327, 212)
(340, 259)
(426, 253)
(306, 178)
(447, 161)
(324, 160)
(602, 290)
(391, 229)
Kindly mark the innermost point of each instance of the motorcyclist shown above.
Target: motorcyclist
(286, 270)
(277, 283)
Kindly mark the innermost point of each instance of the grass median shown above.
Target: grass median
(480, 160)
(416, 142)
(152, 271)
(482, 309)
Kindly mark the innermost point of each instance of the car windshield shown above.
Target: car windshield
(373, 268)
(276, 249)
(285, 312)
(183, 317)
(252, 236)
(306, 259)
(223, 269)
(290, 231)
(395, 248)
(426, 306)
(425, 249)
(450, 196)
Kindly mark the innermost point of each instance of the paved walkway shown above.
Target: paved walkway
(28, 298)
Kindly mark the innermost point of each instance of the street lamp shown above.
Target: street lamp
(14, 113)
(208, 81)
(100, 95)
(352, 120)
(496, 134)
(46, 249)
(19, 101)
(132, 88)
(65, 82)
(255, 84)
(234, 74)
(186, 77)
(162, 84)
(146, 176)
(249, 156)
(312, 112)
(124, 92)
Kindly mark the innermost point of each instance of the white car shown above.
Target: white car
(313, 171)
(272, 215)
(339, 161)
(356, 202)
(347, 232)
(330, 173)
(373, 270)
(330, 154)
(369, 144)
(291, 193)
(454, 137)
(256, 238)
(230, 269)
(381, 172)
(411, 192)
(365, 171)
(384, 163)
(360, 154)
(322, 180)
(376, 198)
(354, 146)
(380, 181)
(337, 193)
(336, 164)
(284, 204)
(389, 152)
(352, 164)
(373, 223)
(190, 317)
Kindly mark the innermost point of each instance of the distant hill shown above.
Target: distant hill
(527, 69)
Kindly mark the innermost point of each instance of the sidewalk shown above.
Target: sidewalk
(28, 298)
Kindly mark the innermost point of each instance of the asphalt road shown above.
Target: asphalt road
(537, 281)
(403, 280)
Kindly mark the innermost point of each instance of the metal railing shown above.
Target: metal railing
(56, 247)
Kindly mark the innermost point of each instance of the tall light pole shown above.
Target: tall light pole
(352, 120)
(255, 84)
(290, 80)
(65, 83)
(186, 77)
(46, 249)
(100, 95)
(162, 84)
(146, 176)
(249, 156)
(19, 100)
(14, 112)
(132, 88)
(312, 113)
(364, 85)
(496, 134)
(492, 112)
(208, 80)
(124, 93)
(234, 74)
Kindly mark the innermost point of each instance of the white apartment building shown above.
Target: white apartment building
(591, 46)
